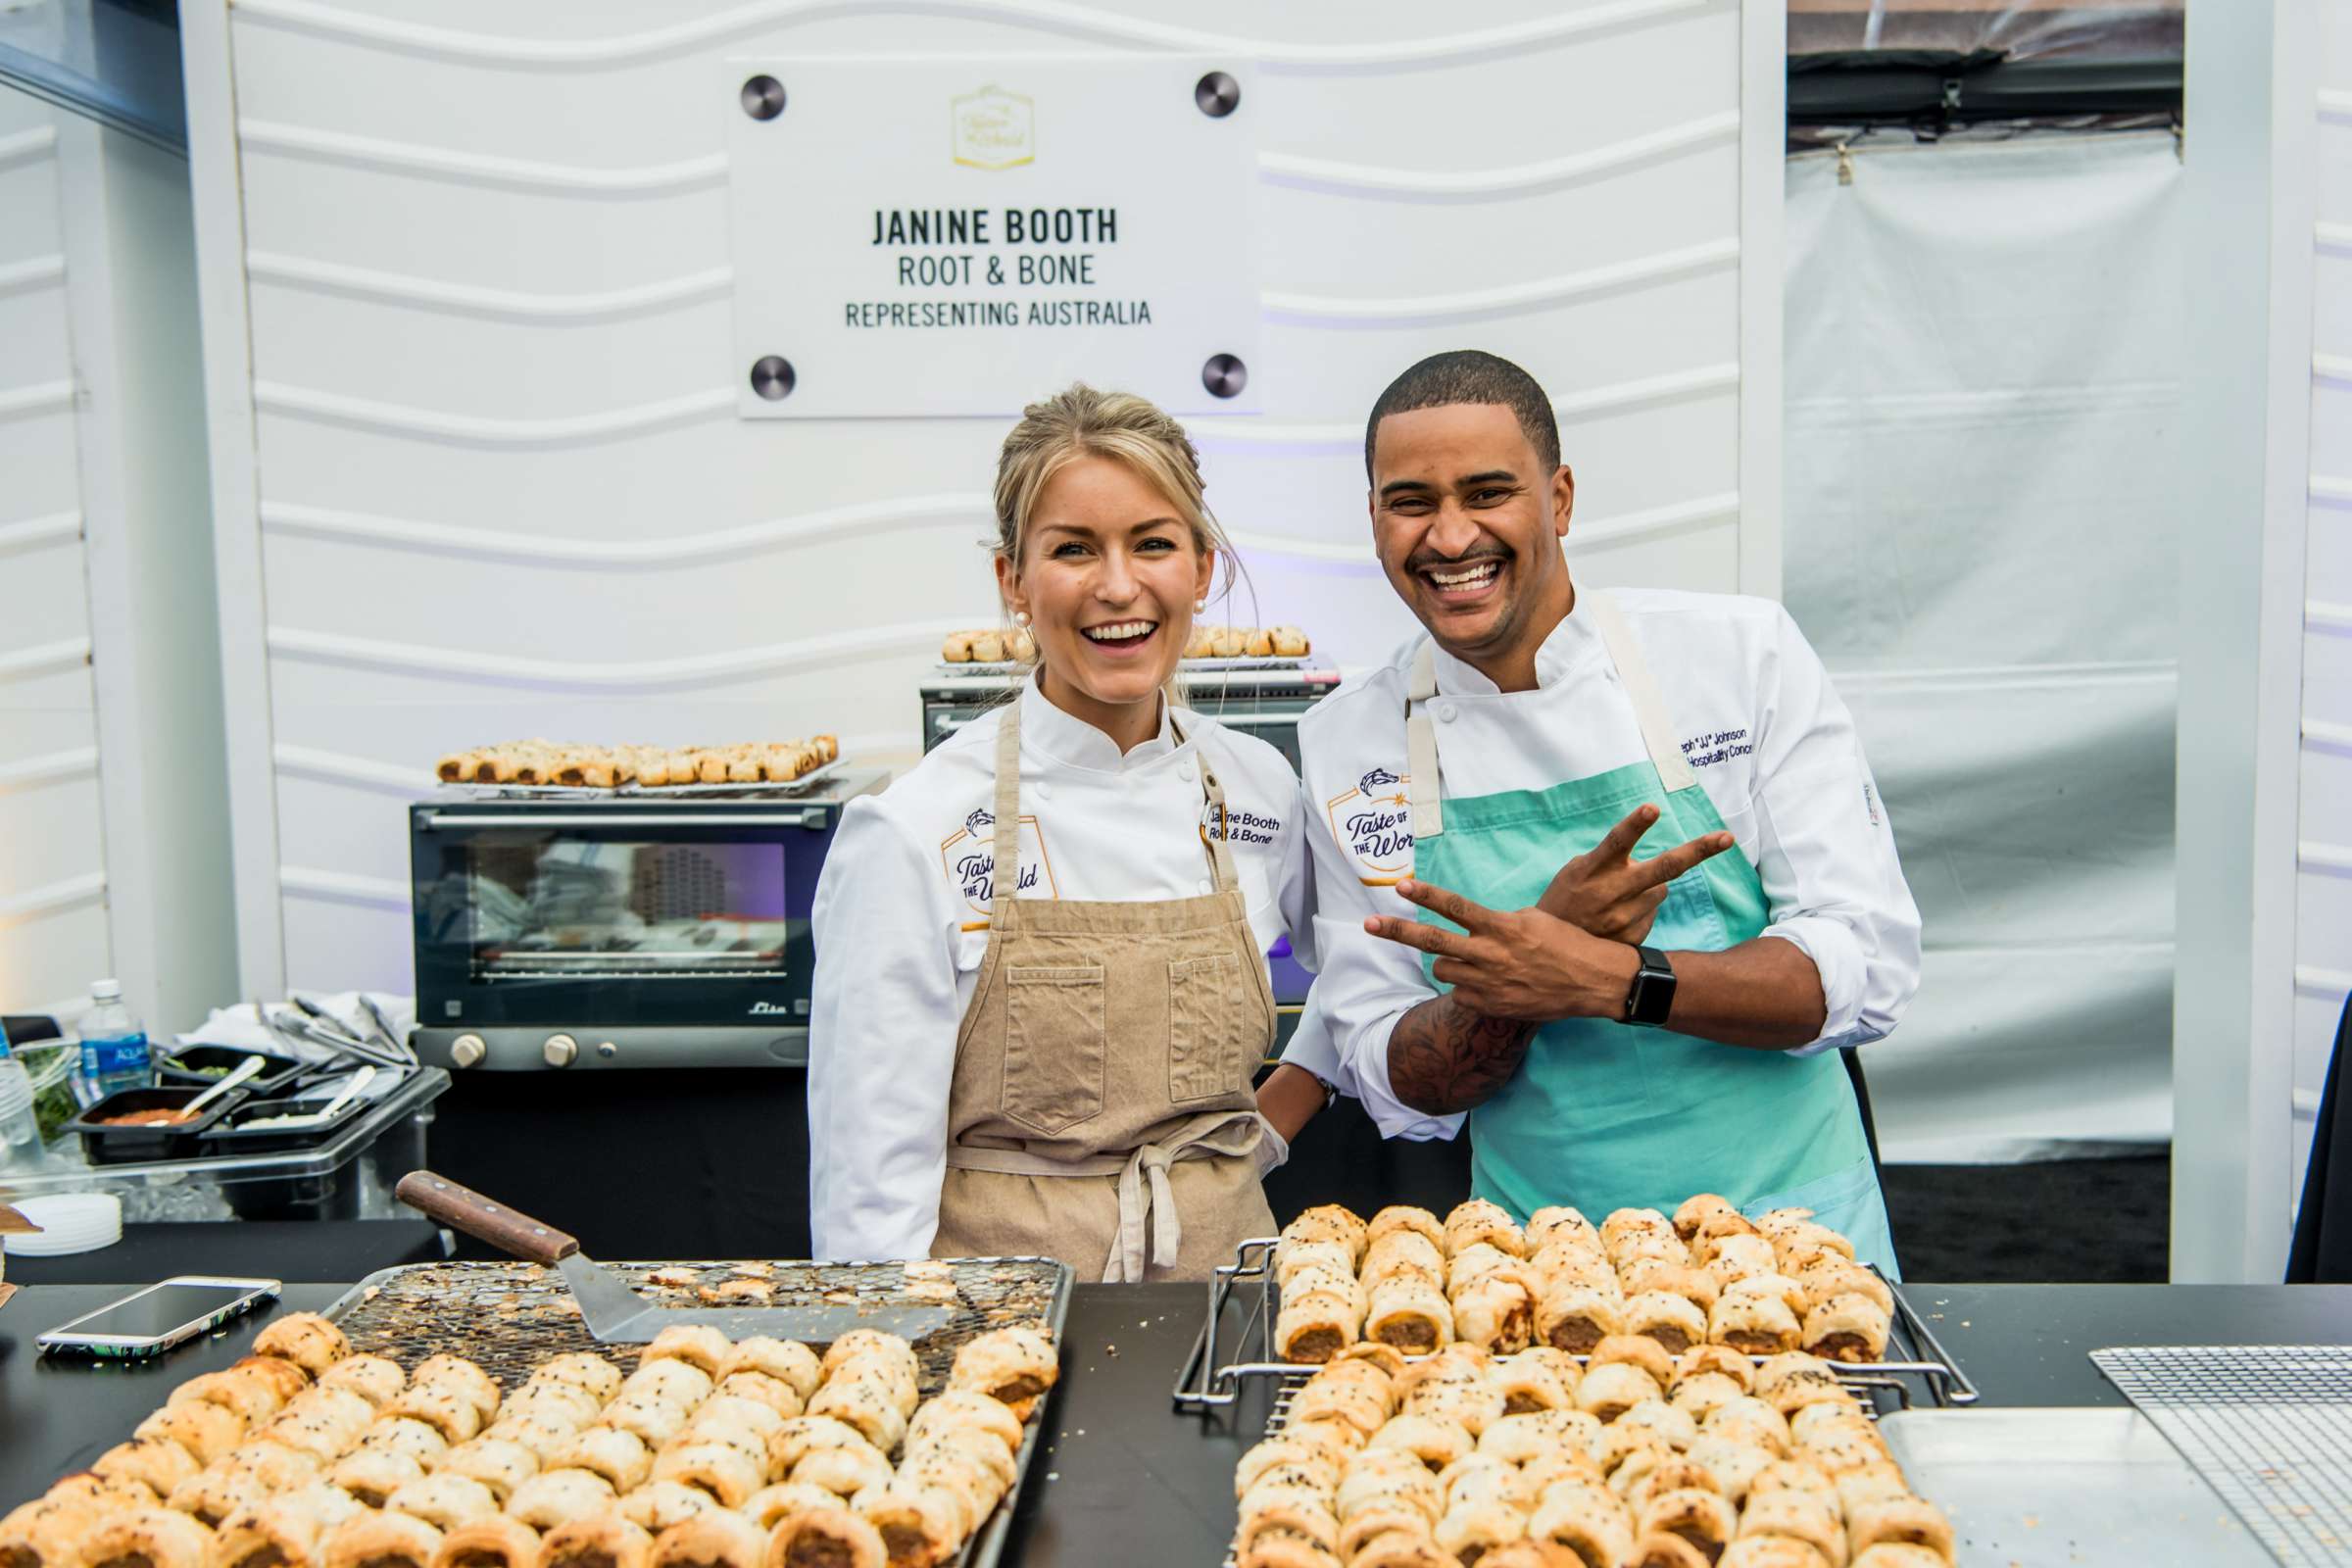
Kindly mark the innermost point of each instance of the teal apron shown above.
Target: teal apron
(1604, 1116)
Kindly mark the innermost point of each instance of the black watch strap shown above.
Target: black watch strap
(1652, 997)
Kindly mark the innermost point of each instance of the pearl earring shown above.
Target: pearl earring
(1020, 617)
(1198, 604)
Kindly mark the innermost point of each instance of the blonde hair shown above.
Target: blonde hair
(1083, 422)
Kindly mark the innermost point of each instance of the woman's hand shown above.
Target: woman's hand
(1289, 1099)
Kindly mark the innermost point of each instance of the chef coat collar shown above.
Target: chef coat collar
(1572, 642)
(1065, 738)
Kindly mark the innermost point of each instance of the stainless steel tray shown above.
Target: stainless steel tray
(1206, 1383)
(507, 1317)
(2077, 1488)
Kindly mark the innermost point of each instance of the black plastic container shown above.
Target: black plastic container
(113, 1146)
(278, 1077)
(231, 1137)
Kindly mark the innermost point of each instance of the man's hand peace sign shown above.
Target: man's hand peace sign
(1609, 894)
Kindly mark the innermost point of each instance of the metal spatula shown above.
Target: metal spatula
(617, 1314)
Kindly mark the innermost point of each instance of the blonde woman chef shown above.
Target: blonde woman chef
(1041, 985)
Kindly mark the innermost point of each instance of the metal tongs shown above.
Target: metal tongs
(303, 1019)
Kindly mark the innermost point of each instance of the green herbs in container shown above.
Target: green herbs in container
(51, 1065)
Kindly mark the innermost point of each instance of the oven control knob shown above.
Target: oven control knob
(467, 1050)
(560, 1051)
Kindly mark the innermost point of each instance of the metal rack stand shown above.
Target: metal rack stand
(2269, 1427)
(1206, 1383)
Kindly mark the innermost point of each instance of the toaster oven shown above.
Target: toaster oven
(566, 931)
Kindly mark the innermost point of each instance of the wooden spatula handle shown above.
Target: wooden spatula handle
(484, 1219)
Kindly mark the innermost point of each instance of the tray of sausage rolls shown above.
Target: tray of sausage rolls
(1010, 649)
(541, 768)
(1708, 1275)
(457, 1416)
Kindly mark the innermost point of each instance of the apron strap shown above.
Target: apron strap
(1641, 687)
(1220, 854)
(1005, 878)
(1421, 748)
(1151, 1233)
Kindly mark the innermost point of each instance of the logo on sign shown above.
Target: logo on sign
(1374, 823)
(765, 1010)
(993, 128)
(968, 858)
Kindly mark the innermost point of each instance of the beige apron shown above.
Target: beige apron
(1101, 1111)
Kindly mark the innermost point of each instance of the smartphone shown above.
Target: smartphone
(151, 1321)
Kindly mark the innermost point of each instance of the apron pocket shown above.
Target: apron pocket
(1206, 1046)
(1053, 1049)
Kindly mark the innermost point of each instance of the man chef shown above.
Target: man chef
(1604, 872)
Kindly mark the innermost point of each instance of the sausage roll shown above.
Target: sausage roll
(496, 1463)
(1846, 1328)
(48, 1532)
(1804, 1516)
(1702, 1395)
(284, 1378)
(1290, 642)
(595, 1375)
(1759, 1325)
(157, 1463)
(1794, 1379)
(322, 1438)
(1739, 1257)
(346, 1410)
(1402, 1254)
(1527, 1383)
(278, 1533)
(823, 1538)
(669, 1380)
(1587, 1519)
(1718, 1359)
(919, 1525)
(1703, 1518)
(1895, 1554)
(893, 1377)
(1331, 1222)
(147, 1538)
(865, 1405)
(1473, 1405)
(1478, 1220)
(1674, 1428)
(957, 1408)
(845, 1470)
(276, 1465)
(559, 1404)
(797, 1436)
(983, 1451)
(1696, 1210)
(220, 1490)
(1433, 1439)
(716, 1539)
(788, 1360)
(1387, 1475)
(957, 649)
(1410, 1315)
(1291, 1521)
(1612, 1388)
(479, 1387)
(395, 1434)
(698, 1344)
(1560, 1224)
(1397, 1549)
(1693, 1284)
(386, 1540)
(657, 1421)
(554, 1497)
(1314, 1326)
(604, 1538)
(371, 1474)
(1749, 1420)
(1383, 1521)
(448, 1407)
(1497, 1312)
(1673, 1321)
(207, 1431)
(762, 1389)
(443, 1500)
(498, 1541)
(1357, 1405)
(305, 1339)
(252, 1398)
(1291, 1258)
(1404, 1217)
(620, 1457)
(1663, 1473)
(1520, 1439)
(1630, 1233)
(1575, 1318)
(1657, 1548)
(723, 1471)
(1900, 1521)
(1013, 1364)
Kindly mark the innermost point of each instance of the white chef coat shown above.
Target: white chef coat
(901, 921)
(1767, 736)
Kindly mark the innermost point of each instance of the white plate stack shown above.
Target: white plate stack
(70, 1222)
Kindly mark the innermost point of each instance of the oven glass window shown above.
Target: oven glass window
(594, 909)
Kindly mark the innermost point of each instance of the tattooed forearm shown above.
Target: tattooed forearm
(1443, 1058)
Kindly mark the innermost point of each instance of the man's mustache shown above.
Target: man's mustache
(1431, 559)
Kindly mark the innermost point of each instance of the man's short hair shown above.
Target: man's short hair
(1471, 376)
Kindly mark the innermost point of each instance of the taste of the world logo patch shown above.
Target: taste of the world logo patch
(968, 858)
(1374, 823)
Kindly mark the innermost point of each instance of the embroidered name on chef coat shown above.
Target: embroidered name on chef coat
(967, 856)
(1374, 823)
(1239, 824)
(1710, 747)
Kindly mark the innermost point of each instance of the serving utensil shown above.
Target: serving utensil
(617, 1315)
(245, 1071)
(315, 1118)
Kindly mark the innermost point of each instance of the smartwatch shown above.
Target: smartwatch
(1651, 995)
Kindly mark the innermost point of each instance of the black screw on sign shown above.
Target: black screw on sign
(763, 97)
(1217, 95)
(772, 379)
(1224, 375)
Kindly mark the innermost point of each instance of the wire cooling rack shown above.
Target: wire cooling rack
(2268, 1426)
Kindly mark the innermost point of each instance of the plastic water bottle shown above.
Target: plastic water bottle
(19, 1131)
(113, 1043)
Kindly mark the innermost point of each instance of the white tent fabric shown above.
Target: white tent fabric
(1983, 508)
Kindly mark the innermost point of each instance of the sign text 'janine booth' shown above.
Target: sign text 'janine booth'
(932, 236)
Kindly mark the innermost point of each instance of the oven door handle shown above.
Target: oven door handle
(431, 820)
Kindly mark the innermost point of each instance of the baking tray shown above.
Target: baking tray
(2083, 1487)
(1201, 666)
(507, 1317)
(1207, 1383)
(657, 792)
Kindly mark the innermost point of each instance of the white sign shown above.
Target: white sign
(963, 236)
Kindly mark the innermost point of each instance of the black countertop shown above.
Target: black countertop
(1122, 1477)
